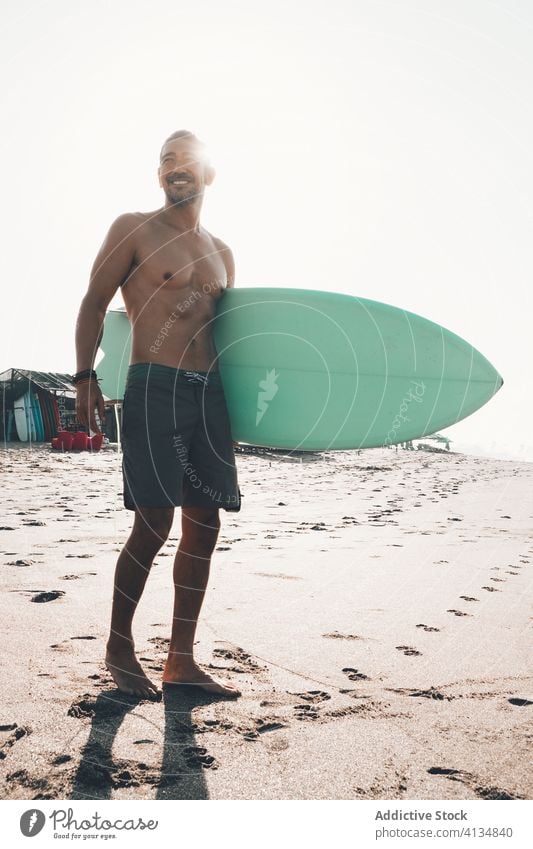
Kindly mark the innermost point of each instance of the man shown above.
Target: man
(177, 445)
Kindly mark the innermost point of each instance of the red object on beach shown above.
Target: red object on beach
(80, 441)
(63, 441)
(95, 442)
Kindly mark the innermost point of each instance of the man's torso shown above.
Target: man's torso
(171, 292)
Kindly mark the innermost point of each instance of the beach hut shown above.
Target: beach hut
(435, 437)
(34, 405)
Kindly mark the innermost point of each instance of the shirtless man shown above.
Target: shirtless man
(177, 444)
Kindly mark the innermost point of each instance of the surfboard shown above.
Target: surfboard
(24, 421)
(46, 415)
(51, 416)
(37, 417)
(10, 420)
(41, 395)
(32, 428)
(312, 370)
(21, 420)
(43, 401)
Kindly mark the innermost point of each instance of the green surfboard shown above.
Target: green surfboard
(312, 370)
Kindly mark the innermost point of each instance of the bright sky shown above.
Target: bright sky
(381, 148)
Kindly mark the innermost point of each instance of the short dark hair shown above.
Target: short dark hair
(182, 134)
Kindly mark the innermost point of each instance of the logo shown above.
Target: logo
(32, 822)
(404, 406)
(269, 388)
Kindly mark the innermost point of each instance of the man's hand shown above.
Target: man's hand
(89, 399)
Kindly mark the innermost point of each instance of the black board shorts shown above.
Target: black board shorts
(177, 448)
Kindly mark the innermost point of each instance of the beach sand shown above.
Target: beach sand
(372, 607)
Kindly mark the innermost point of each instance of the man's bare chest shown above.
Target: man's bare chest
(174, 261)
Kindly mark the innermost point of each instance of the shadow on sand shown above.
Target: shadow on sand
(183, 761)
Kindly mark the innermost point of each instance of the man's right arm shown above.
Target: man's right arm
(110, 269)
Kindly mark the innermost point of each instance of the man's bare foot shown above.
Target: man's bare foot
(192, 676)
(128, 674)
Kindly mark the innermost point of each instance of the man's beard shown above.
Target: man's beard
(184, 199)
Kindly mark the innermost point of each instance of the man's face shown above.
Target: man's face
(182, 170)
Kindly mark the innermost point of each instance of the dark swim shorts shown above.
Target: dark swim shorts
(176, 440)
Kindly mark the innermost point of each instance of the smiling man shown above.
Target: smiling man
(177, 444)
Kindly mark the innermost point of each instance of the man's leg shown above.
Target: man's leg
(200, 527)
(150, 530)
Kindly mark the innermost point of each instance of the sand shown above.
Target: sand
(372, 607)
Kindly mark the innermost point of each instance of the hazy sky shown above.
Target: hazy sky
(380, 148)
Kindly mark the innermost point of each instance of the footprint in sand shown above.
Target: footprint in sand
(491, 589)
(458, 612)
(447, 771)
(80, 556)
(409, 650)
(278, 575)
(427, 627)
(198, 756)
(335, 635)
(354, 674)
(47, 596)
(87, 706)
(312, 696)
(470, 781)
(494, 793)
(261, 726)
(160, 643)
(17, 731)
(468, 598)
(305, 712)
(40, 786)
(430, 693)
(61, 759)
(241, 661)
